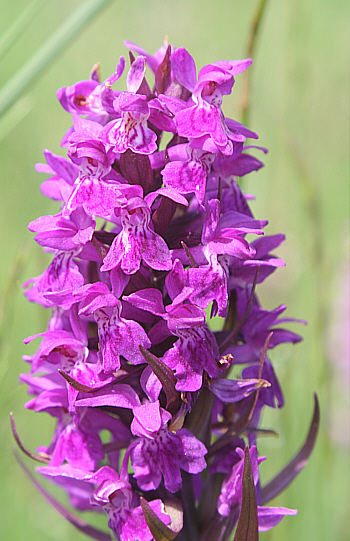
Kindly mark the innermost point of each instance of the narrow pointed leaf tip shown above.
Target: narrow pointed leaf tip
(166, 377)
(159, 530)
(286, 476)
(190, 257)
(34, 456)
(75, 384)
(247, 527)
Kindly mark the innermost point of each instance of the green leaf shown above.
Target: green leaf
(247, 527)
(173, 508)
(286, 476)
(190, 257)
(44, 56)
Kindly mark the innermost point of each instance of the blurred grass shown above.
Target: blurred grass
(46, 54)
(299, 106)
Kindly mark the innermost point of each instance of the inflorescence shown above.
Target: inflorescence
(148, 245)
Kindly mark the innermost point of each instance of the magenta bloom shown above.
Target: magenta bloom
(137, 241)
(231, 494)
(115, 496)
(153, 237)
(131, 131)
(159, 452)
(119, 336)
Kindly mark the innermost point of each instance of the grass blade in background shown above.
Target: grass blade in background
(7, 306)
(247, 76)
(18, 84)
(20, 24)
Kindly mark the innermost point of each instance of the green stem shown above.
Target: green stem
(246, 89)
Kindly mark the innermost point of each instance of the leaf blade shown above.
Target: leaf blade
(247, 527)
(286, 476)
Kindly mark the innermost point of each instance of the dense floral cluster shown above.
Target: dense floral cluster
(150, 242)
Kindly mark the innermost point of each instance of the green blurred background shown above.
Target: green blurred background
(299, 107)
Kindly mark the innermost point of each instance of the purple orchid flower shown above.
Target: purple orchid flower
(72, 480)
(79, 447)
(189, 172)
(150, 240)
(257, 327)
(152, 60)
(117, 336)
(99, 197)
(91, 97)
(205, 121)
(66, 234)
(86, 141)
(159, 452)
(63, 175)
(222, 241)
(195, 350)
(117, 499)
(137, 241)
(231, 494)
(62, 275)
(131, 131)
(243, 272)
